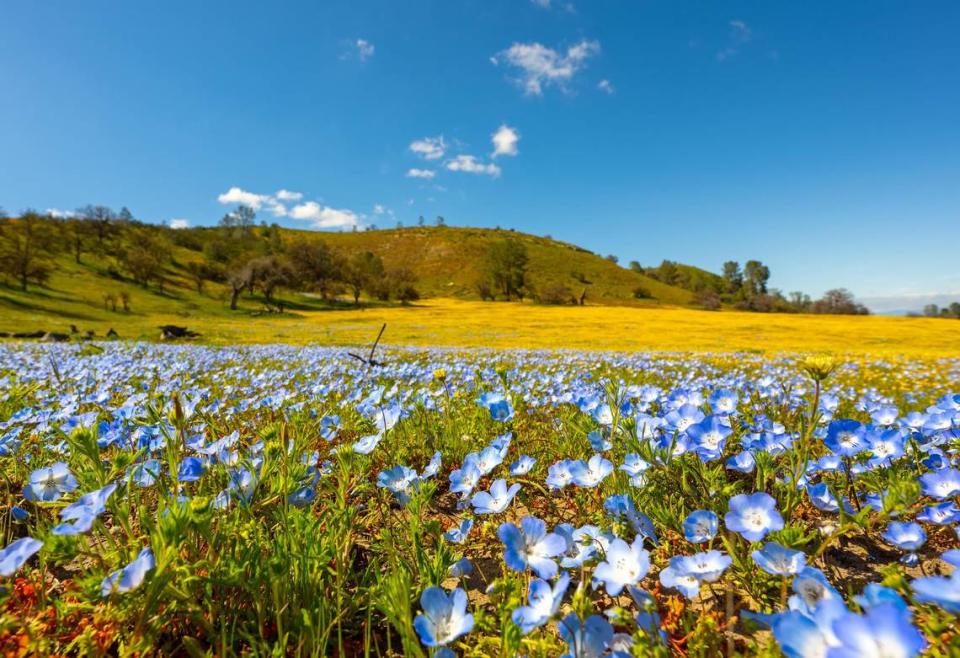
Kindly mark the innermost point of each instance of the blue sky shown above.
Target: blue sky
(820, 137)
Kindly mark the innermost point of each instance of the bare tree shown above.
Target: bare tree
(25, 244)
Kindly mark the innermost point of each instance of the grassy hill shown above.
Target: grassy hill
(447, 261)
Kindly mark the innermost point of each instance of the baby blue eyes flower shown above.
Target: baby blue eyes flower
(598, 442)
(498, 406)
(626, 564)
(16, 554)
(591, 473)
(940, 591)
(444, 617)
(79, 516)
(743, 462)
(463, 480)
(723, 402)
(131, 576)
(496, 500)
(799, 636)
(753, 516)
(433, 467)
(146, 474)
(522, 466)
(531, 546)
(700, 526)
(885, 630)
(778, 560)
(906, 536)
(676, 576)
(485, 460)
(329, 426)
(400, 481)
(50, 483)
(710, 436)
(367, 444)
(559, 475)
(846, 438)
(707, 566)
(190, 469)
(458, 534)
(590, 639)
(543, 603)
(941, 484)
(18, 514)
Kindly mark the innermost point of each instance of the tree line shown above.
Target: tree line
(951, 311)
(238, 254)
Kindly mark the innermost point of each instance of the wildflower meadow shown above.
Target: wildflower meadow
(299, 501)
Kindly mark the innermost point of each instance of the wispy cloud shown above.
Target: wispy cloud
(505, 141)
(740, 35)
(429, 148)
(469, 164)
(362, 49)
(421, 173)
(539, 66)
(60, 214)
(606, 86)
(319, 215)
(179, 223)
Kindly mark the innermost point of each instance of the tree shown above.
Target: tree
(732, 276)
(269, 273)
(799, 301)
(613, 259)
(931, 310)
(78, 233)
(403, 284)
(441, 221)
(668, 272)
(955, 309)
(314, 265)
(144, 257)
(25, 244)
(507, 267)
(364, 271)
(102, 219)
(635, 266)
(838, 301)
(756, 275)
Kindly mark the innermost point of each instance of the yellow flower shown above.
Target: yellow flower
(440, 373)
(819, 367)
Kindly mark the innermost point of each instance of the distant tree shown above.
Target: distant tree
(613, 259)
(799, 301)
(506, 266)
(838, 301)
(364, 272)
(25, 245)
(707, 300)
(403, 284)
(421, 221)
(143, 257)
(635, 266)
(955, 309)
(732, 276)
(556, 295)
(485, 291)
(78, 234)
(125, 215)
(315, 266)
(268, 274)
(201, 272)
(102, 219)
(640, 292)
(440, 221)
(931, 310)
(755, 277)
(668, 272)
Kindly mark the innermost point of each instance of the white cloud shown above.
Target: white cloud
(179, 223)
(543, 4)
(541, 66)
(505, 141)
(287, 195)
(421, 173)
(605, 85)
(365, 49)
(470, 165)
(239, 196)
(740, 34)
(429, 148)
(61, 214)
(325, 217)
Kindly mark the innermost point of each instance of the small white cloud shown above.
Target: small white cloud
(365, 49)
(179, 223)
(61, 214)
(541, 66)
(324, 217)
(429, 148)
(470, 165)
(379, 209)
(287, 195)
(543, 4)
(239, 196)
(740, 34)
(505, 141)
(605, 86)
(421, 173)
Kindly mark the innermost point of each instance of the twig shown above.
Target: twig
(370, 361)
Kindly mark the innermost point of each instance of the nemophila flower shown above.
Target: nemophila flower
(461, 568)
(679, 420)
(433, 466)
(846, 438)
(129, 577)
(582, 544)
(590, 639)
(876, 594)
(799, 636)
(602, 415)
(559, 475)
(243, 482)
(531, 546)
(598, 441)
(444, 617)
(743, 462)
(945, 513)
(822, 498)
(941, 484)
(329, 426)
(700, 526)
(779, 560)
(145, 474)
(302, 497)
(753, 516)
(885, 446)
(676, 576)
(952, 557)
(625, 564)
(648, 619)
(543, 602)
(50, 483)
(707, 566)
(634, 466)
(885, 415)
(79, 516)
(622, 507)
(710, 436)
(723, 402)
(367, 444)
(496, 500)
(907, 536)
(400, 481)
(485, 460)
(499, 406)
(18, 514)
(591, 473)
(883, 631)
(15, 554)
(940, 591)
(522, 466)
(464, 479)
(190, 469)
(458, 534)
(810, 589)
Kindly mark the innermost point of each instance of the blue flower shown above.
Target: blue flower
(48, 484)
(543, 603)
(876, 594)
(485, 460)
(676, 576)
(190, 469)
(810, 589)
(463, 480)
(598, 441)
(329, 426)
(14, 555)
(753, 516)
(779, 560)
(522, 466)
(636, 468)
(84, 511)
(458, 534)
(941, 484)
(723, 402)
(146, 473)
(400, 481)
(18, 514)
(799, 636)
(444, 617)
(907, 536)
(530, 546)
(625, 564)
(367, 444)
(496, 500)
(846, 438)
(707, 566)
(940, 591)
(498, 406)
(885, 630)
(129, 577)
(559, 475)
(591, 473)
(700, 526)
(433, 467)
(591, 639)
(742, 461)
(710, 436)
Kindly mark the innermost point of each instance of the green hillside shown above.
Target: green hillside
(446, 262)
